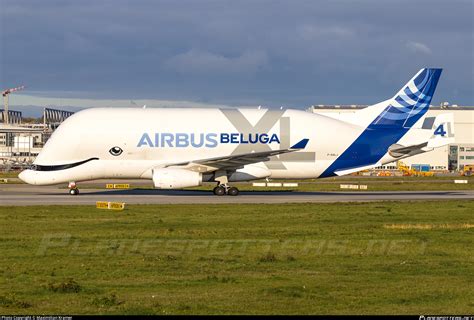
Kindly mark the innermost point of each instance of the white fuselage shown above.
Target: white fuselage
(154, 138)
(93, 132)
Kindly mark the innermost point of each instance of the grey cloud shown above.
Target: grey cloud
(203, 62)
(311, 32)
(418, 47)
(293, 53)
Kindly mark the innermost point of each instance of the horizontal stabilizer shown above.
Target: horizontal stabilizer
(397, 151)
(300, 145)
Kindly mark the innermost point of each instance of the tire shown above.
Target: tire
(233, 191)
(219, 191)
(74, 192)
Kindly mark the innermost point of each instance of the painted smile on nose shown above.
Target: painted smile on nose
(37, 167)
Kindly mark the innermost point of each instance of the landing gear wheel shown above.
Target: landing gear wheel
(219, 191)
(74, 192)
(233, 191)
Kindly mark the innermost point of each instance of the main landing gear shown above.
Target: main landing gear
(223, 186)
(223, 189)
(73, 190)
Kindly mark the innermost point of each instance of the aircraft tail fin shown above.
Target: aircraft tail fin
(386, 123)
(410, 103)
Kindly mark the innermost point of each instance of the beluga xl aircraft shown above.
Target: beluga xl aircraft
(182, 147)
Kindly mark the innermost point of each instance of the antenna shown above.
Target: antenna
(5, 94)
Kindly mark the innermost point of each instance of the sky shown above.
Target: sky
(234, 53)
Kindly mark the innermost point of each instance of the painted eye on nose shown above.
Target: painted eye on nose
(115, 151)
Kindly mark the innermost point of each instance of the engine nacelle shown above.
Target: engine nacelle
(173, 178)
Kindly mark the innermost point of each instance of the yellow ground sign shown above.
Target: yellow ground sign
(116, 205)
(110, 205)
(117, 186)
(121, 186)
(102, 205)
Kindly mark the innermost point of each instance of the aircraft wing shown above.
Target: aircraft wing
(232, 162)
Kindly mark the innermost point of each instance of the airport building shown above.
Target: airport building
(21, 142)
(449, 158)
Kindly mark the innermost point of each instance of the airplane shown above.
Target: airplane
(183, 147)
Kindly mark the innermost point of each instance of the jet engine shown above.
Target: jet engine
(174, 178)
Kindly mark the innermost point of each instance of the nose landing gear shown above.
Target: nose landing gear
(73, 190)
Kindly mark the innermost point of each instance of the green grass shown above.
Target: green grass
(233, 259)
(12, 174)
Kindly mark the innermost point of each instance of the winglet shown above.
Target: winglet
(300, 145)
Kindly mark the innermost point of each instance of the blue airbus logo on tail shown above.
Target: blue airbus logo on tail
(412, 102)
(200, 140)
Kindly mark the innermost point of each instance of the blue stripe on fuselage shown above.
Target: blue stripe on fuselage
(368, 148)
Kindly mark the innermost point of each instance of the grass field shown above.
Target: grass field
(12, 174)
(385, 257)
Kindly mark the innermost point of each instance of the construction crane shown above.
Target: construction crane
(5, 94)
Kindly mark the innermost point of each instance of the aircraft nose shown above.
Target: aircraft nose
(27, 176)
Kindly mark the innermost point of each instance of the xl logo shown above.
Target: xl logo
(264, 124)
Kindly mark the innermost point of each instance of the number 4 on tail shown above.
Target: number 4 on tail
(440, 130)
